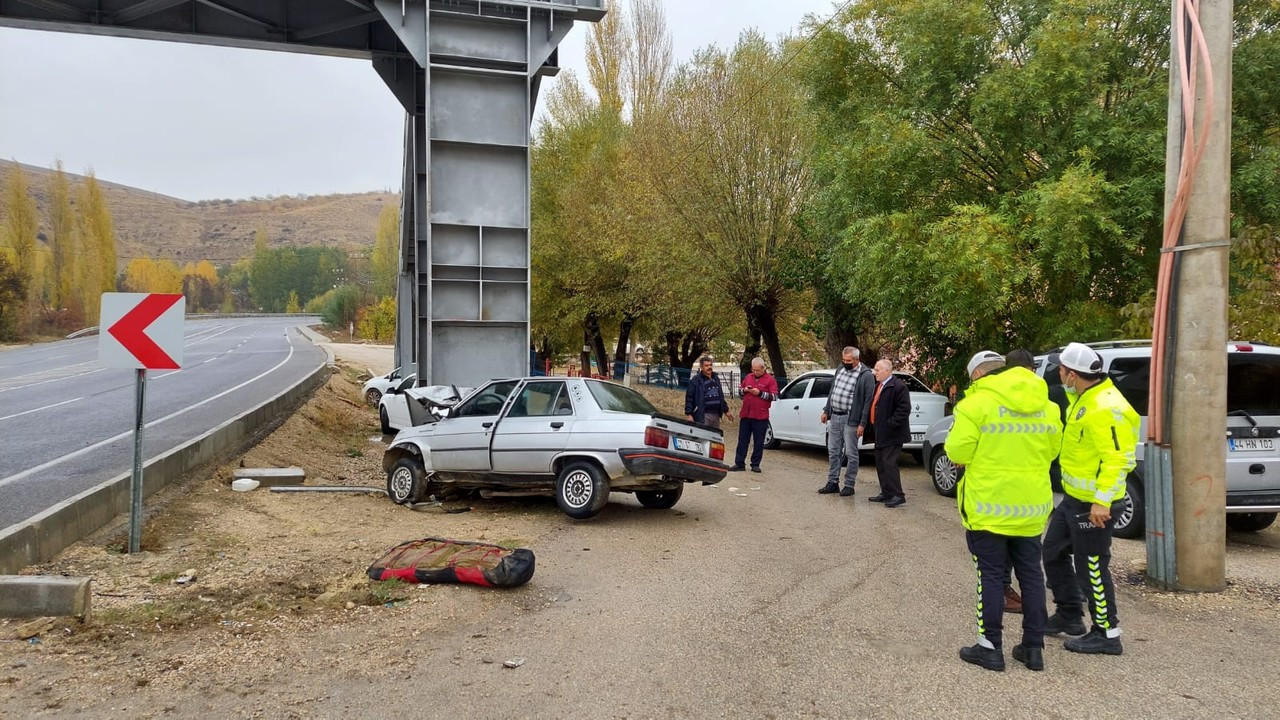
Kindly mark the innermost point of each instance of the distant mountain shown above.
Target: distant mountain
(149, 224)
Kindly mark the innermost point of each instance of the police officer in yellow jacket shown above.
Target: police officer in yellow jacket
(1006, 434)
(1098, 445)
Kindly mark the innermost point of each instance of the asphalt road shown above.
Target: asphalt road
(67, 422)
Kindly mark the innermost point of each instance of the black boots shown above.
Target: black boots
(1095, 643)
(1032, 657)
(986, 657)
(829, 488)
(1060, 624)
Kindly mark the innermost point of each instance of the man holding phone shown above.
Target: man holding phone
(1098, 445)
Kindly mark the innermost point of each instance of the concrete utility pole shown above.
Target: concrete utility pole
(1198, 360)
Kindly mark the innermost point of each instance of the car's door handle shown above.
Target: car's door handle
(797, 407)
(487, 425)
(557, 425)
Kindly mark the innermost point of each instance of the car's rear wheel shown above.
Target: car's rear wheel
(770, 441)
(946, 476)
(1132, 518)
(386, 424)
(582, 490)
(1250, 522)
(660, 499)
(406, 482)
(373, 396)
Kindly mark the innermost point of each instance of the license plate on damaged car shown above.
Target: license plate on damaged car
(1250, 444)
(692, 446)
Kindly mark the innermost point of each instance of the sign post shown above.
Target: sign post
(143, 331)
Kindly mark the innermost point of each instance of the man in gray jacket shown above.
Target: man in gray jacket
(846, 416)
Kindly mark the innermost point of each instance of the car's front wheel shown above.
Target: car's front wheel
(582, 490)
(385, 422)
(373, 397)
(1132, 519)
(660, 499)
(1250, 522)
(406, 482)
(946, 476)
(770, 441)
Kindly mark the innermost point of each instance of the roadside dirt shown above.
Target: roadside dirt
(270, 569)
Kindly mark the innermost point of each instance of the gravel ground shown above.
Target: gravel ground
(764, 601)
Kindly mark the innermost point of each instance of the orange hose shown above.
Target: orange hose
(1193, 149)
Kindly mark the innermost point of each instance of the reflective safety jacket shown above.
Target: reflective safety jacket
(1098, 444)
(1006, 434)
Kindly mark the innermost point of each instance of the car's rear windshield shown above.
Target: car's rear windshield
(1253, 382)
(616, 398)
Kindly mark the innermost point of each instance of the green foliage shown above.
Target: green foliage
(292, 307)
(13, 288)
(307, 271)
(993, 170)
(338, 307)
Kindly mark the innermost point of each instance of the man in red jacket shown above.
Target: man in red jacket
(759, 390)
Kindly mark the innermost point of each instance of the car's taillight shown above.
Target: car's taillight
(1241, 347)
(717, 451)
(655, 437)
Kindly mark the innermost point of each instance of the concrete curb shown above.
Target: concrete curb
(45, 535)
(319, 341)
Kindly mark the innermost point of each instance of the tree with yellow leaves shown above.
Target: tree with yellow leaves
(152, 276)
(19, 243)
(98, 271)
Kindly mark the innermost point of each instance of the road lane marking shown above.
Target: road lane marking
(103, 443)
(48, 370)
(46, 407)
(56, 379)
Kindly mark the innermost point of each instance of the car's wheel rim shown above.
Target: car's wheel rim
(1126, 515)
(373, 396)
(768, 435)
(401, 483)
(577, 489)
(944, 472)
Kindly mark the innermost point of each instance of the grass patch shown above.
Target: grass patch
(163, 578)
(385, 591)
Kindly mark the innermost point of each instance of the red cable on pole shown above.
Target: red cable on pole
(1193, 147)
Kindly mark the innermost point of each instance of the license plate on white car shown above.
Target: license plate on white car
(692, 446)
(1251, 444)
(917, 437)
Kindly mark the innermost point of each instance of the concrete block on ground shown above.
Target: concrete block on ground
(43, 596)
(270, 477)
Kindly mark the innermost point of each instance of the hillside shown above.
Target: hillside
(149, 224)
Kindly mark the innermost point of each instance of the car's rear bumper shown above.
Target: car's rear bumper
(656, 461)
(1252, 502)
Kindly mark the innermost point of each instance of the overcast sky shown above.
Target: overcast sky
(200, 122)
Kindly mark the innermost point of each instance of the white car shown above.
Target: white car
(575, 438)
(378, 385)
(405, 406)
(796, 415)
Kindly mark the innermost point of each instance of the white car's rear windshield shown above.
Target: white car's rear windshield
(615, 398)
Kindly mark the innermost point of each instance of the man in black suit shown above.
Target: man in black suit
(890, 429)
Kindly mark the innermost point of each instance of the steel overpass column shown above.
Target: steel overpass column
(463, 298)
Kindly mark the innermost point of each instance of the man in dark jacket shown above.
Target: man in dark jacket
(890, 429)
(704, 401)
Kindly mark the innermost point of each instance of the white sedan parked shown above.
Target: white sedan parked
(377, 386)
(796, 415)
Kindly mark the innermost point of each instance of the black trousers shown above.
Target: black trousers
(887, 470)
(1077, 562)
(750, 430)
(990, 553)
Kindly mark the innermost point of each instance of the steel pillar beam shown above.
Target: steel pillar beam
(463, 303)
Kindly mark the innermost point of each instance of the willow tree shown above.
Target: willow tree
(733, 165)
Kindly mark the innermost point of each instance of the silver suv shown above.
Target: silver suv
(1253, 431)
